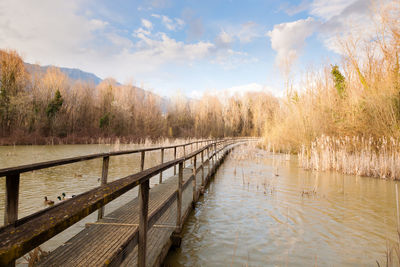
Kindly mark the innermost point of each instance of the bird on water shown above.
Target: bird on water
(48, 201)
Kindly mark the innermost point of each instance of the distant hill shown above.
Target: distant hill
(74, 74)
(77, 74)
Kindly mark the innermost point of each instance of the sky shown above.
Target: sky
(183, 47)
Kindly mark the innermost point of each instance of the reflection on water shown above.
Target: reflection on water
(265, 210)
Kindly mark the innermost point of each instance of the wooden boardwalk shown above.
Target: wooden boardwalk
(138, 233)
(102, 241)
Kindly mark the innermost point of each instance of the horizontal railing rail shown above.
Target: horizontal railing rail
(54, 163)
(19, 236)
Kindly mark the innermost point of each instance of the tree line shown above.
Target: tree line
(37, 106)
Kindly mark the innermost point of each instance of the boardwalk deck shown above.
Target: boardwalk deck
(107, 239)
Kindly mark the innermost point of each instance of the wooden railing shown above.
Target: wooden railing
(19, 236)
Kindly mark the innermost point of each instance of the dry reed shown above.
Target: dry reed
(356, 156)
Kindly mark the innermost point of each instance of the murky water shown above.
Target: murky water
(263, 210)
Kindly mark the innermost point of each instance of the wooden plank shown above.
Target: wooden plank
(104, 175)
(121, 243)
(143, 210)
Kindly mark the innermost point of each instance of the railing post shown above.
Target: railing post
(202, 168)
(104, 175)
(179, 199)
(12, 193)
(215, 152)
(143, 212)
(212, 153)
(194, 180)
(142, 160)
(184, 155)
(191, 150)
(162, 161)
(208, 158)
(175, 158)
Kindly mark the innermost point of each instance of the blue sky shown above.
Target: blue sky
(187, 46)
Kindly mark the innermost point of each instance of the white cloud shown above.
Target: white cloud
(173, 24)
(224, 39)
(140, 33)
(344, 19)
(64, 34)
(97, 24)
(332, 20)
(165, 48)
(247, 32)
(327, 9)
(147, 24)
(244, 33)
(295, 9)
(48, 31)
(289, 38)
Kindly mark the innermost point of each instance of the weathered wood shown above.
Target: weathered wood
(184, 155)
(54, 163)
(191, 150)
(143, 212)
(15, 244)
(202, 168)
(208, 156)
(11, 202)
(162, 161)
(142, 158)
(215, 152)
(194, 180)
(174, 158)
(179, 199)
(104, 175)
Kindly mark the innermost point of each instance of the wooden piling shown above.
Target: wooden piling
(12, 193)
(104, 175)
(162, 161)
(179, 199)
(143, 213)
(194, 180)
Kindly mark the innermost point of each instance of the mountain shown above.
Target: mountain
(74, 74)
(77, 74)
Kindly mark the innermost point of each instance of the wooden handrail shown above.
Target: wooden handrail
(54, 163)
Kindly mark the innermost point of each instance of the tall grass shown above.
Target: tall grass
(357, 156)
(346, 117)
